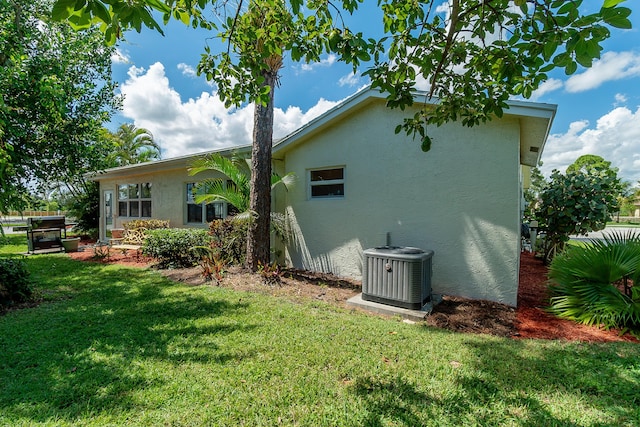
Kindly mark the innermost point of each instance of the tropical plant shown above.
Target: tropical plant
(576, 203)
(598, 283)
(235, 187)
(132, 145)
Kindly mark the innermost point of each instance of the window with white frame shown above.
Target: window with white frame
(201, 213)
(325, 183)
(134, 200)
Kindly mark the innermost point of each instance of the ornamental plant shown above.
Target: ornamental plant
(173, 247)
(576, 203)
(15, 285)
(597, 283)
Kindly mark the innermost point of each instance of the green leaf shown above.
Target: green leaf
(611, 3)
(567, 7)
(425, 146)
(619, 22)
(615, 13)
(62, 9)
(571, 68)
(80, 4)
(100, 11)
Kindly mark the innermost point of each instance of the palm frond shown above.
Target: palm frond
(287, 180)
(228, 167)
(584, 282)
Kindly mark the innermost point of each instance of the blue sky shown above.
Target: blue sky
(598, 109)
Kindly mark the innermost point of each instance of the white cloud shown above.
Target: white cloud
(546, 87)
(187, 70)
(444, 8)
(621, 99)
(327, 62)
(120, 57)
(612, 66)
(615, 137)
(199, 124)
(290, 120)
(349, 80)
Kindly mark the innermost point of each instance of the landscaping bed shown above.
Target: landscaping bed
(528, 320)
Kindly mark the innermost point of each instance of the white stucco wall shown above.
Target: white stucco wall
(461, 200)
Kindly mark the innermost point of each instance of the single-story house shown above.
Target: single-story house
(361, 185)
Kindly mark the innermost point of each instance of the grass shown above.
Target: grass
(119, 346)
(13, 244)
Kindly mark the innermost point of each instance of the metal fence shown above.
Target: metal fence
(13, 216)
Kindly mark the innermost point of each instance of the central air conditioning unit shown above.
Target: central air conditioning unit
(397, 276)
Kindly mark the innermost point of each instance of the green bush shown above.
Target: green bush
(173, 247)
(594, 284)
(229, 240)
(15, 285)
(576, 203)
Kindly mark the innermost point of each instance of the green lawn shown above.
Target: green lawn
(119, 346)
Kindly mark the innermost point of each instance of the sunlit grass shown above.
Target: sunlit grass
(13, 244)
(121, 346)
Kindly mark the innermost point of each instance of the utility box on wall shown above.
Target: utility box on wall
(397, 276)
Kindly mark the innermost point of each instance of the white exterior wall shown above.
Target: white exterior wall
(461, 200)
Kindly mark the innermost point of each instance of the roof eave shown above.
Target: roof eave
(180, 162)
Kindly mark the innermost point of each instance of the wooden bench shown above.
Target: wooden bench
(131, 240)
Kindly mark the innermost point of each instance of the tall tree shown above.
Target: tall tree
(56, 91)
(473, 56)
(131, 145)
(590, 162)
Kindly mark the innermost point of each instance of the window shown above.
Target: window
(199, 213)
(134, 200)
(326, 183)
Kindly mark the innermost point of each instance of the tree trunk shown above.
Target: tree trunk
(258, 239)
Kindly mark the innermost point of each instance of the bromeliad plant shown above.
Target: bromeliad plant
(597, 283)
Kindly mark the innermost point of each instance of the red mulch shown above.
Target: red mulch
(533, 322)
(529, 320)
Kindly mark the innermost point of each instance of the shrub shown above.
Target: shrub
(15, 285)
(594, 284)
(173, 247)
(229, 240)
(576, 203)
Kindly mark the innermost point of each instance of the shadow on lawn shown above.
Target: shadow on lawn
(71, 356)
(601, 378)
